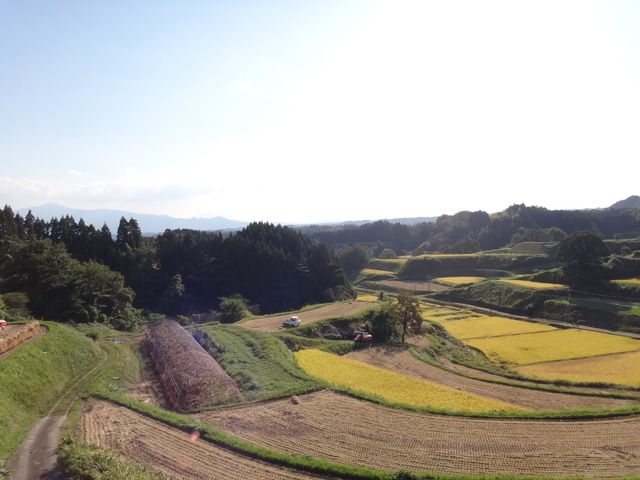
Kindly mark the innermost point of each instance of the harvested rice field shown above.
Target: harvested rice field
(401, 361)
(342, 429)
(173, 452)
(274, 323)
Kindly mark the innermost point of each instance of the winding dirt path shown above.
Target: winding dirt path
(37, 457)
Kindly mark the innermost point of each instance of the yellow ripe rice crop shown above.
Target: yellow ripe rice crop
(371, 271)
(438, 313)
(540, 285)
(394, 387)
(623, 369)
(481, 327)
(367, 298)
(459, 280)
(628, 281)
(553, 346)
(446, 255)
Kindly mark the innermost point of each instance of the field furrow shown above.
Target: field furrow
(342, 429)
(401, 361)
(169, 450)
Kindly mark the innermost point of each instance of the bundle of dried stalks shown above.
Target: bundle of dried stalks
(14, 335)
(190, 377)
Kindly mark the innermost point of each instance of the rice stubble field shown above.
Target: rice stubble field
(169, 450)
(338, 428)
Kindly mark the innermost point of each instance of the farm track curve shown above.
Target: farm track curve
(171, 451)
(342, 429)
(37, 456)
(274, 324)
(399, 360)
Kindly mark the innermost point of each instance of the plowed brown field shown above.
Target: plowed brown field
(342, 429)
(169, 450)
(400, 361)
(274, 324)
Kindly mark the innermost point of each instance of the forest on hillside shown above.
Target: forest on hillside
(469, 232)
(70, 271)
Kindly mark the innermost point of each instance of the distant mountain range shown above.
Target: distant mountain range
(149, 224)
(155, 224)
(632, 201)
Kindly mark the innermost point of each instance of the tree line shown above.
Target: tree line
(70, 271)
(469, 232)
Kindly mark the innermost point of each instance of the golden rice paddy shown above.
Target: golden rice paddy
(486, 327)
(371, 271)
(553, 346)
(539, 285)
(622, 369)
(628, 281)
(459, 280)
(367, 298)
(394, 387)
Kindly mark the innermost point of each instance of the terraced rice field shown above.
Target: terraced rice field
(487, 327)
(171, 451)
(439, 313)
(413, 285)
(628, 281)
(367, 298)
(539, 285)
(622, 369)
(274, 323)
(394, 387)
(553, 346)
(339, 428)
(372, 271)
(459, 280)
(401, 361)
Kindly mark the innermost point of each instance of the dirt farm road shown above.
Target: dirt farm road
(36, 459)
(274, 323)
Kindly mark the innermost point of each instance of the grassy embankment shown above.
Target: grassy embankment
(34, 376)
(260, 363)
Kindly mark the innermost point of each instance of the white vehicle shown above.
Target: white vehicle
(291, 322)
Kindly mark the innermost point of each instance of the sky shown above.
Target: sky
(300, 111)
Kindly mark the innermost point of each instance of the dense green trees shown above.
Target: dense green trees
(354, 257)
(466, 232)
(61, 288)
(69, 269)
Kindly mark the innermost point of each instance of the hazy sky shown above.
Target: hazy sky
(309, 111)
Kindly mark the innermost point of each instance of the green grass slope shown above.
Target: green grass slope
(33, 377)
(259, 362)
